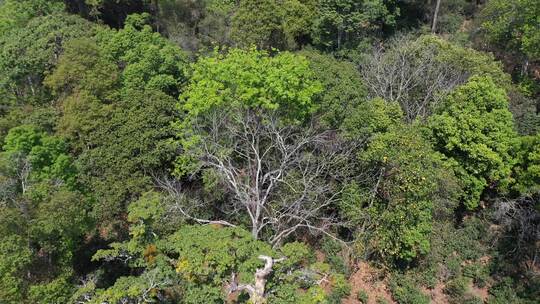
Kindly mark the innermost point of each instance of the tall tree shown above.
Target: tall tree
(435, 16)
(205, 263)
(244, 112)
(343, 88)
(38, 180)
(272, 24)
(117, 93)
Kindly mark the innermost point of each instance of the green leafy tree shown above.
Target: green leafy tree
(270, 23)
(212, 263)
(15, 258)
(149, 60)
(16, 14)
(474, 130)
(527, 168)
(344, 23)
(513, 26)
(28, 53)
(252, 79)
(398, 184)
(405, 200)
(44, 155)
(38, 180)
(202, 262)
(342, 91)
(60, 233)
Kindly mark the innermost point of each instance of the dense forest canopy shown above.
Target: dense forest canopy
(269, 151)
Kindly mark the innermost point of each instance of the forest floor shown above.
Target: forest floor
(372, 281)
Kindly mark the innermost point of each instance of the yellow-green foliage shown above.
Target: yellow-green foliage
(527, 169)
(406, 194)
(251, 79)
(475, 131)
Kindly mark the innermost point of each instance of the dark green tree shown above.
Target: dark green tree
(272, 24)
(344, 23)
(342, 91)
(527, 168)
(513, 26)
(38, 180)
(28, 53)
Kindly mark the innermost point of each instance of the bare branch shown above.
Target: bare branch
(173, 188)
(410, 74)
(279, 175)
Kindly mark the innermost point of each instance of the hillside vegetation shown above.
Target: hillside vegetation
(269, 151)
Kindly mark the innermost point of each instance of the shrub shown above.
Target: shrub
(456, 289)
(362, 296)
(340, 287)
(382, 301)
(478, 273)
(470, 299)
(503, 292)
(404, 291)
(332, 250)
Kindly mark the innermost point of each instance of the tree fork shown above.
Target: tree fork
(256, 291)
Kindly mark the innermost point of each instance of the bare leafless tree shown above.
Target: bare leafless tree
(15, 182)
(520, 218)
(279, 175)
(411, 74)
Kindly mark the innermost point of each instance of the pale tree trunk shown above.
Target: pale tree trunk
(435, 15)
(255, 229)
(256, 290)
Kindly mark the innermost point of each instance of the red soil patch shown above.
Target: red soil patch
(368, 279)
(482, 293)
(436, 294)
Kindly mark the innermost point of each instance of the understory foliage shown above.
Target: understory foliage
(262, 151)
